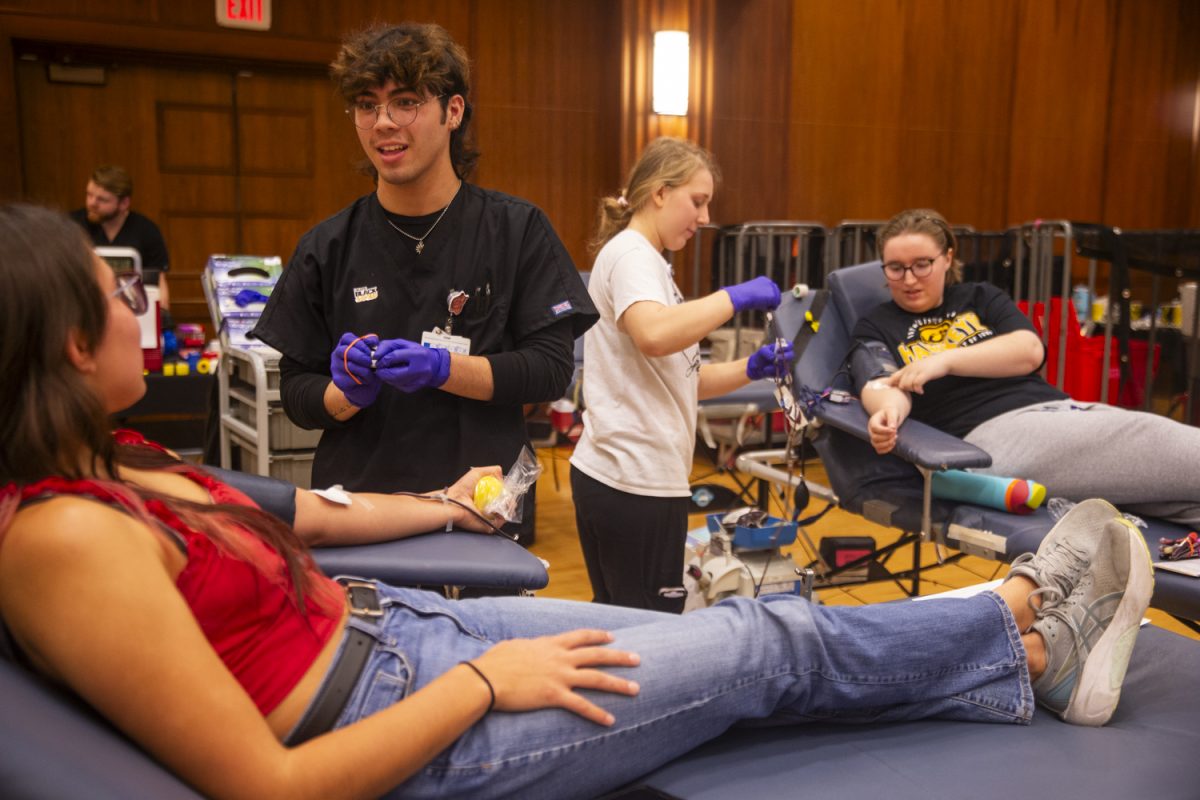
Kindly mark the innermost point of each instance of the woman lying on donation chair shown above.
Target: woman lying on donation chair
(962, 358)
(199, 626)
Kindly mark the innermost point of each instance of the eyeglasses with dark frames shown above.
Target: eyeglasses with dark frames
(921, 267)
(400, 110)
(131, 292)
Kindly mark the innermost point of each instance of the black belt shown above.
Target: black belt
(343, 676)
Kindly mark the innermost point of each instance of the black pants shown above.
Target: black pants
(632, 545)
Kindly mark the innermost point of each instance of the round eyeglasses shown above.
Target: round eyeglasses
(400, 110)
(921, 267)
(131, 292)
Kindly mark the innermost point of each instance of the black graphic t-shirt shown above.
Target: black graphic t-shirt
(970, 313)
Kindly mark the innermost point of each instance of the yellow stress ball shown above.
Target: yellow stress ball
(487, 490)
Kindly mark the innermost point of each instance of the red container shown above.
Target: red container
(152, 357)
(1084, 359)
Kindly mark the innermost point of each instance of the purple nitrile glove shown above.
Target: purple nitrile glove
(770, 361)
(760, 293)
(359, 383)
(409, 367)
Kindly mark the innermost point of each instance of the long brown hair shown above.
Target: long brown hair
(51, 422)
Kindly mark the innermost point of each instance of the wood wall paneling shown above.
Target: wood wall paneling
(563, 164)
(750, 109)
(272, 234)
(966, 107)
(639, 125)
(12, 177)
(328, 144)
(888, 112)
(1063, 53)
(1188, 148)
(197, 165)
(994, 111)
(547, 87)
(66, 130)
(299, 19)
(275, 142)
(1150, 132)
(195, 138)
(844, 109)
(203, 193)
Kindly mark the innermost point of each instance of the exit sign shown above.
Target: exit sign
(254, 14)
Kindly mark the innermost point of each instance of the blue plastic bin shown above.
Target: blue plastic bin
(774, 532)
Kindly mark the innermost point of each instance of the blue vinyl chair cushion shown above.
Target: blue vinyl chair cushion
(456, 558)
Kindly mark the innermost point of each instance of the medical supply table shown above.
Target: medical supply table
(253, 422)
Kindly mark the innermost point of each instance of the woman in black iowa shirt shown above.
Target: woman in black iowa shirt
(962, 358)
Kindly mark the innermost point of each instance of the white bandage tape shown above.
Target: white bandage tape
(334, 494)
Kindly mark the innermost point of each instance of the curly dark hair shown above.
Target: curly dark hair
(420, 57)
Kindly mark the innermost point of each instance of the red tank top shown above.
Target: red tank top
(250, 619)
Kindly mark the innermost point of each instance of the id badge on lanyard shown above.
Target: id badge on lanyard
(445, 339)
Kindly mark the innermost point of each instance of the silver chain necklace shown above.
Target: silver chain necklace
(420, 240)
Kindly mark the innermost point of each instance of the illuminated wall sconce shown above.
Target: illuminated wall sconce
(671, 73)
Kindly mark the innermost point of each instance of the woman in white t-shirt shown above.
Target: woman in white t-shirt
(629, 472)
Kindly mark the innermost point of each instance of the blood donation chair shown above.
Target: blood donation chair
(52, 746)
(453, 561)
(895, 490)
(1146, 750)
(734, 423)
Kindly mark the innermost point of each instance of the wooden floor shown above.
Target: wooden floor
(558, 543)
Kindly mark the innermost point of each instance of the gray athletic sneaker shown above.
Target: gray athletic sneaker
(1066, 551)
(1089, 636)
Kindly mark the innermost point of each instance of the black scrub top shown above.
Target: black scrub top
(355, 273)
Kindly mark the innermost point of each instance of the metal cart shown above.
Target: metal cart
(252, 422)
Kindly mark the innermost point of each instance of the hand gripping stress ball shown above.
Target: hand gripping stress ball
(487, 489)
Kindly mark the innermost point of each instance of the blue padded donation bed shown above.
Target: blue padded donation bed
(1147, 750)
(451, 559)
(52, 746)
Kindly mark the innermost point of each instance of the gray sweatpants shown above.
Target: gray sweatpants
(1143, 463)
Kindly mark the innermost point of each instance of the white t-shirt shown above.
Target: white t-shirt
(639, 431)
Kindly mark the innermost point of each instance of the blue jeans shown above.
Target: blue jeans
(776, 660)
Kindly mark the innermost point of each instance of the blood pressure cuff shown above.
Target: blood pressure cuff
(869, 360)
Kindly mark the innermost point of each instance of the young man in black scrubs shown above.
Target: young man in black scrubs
(468, 301)
(111, 222)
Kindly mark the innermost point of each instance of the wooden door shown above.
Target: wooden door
(224, 160)
(296, 158)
